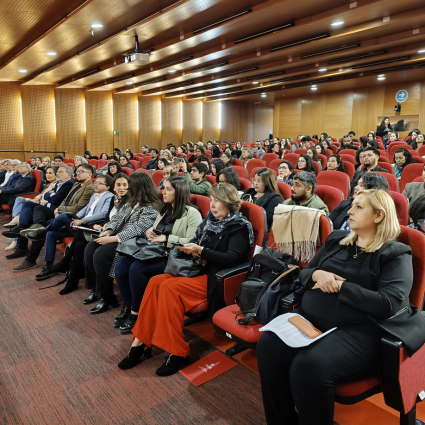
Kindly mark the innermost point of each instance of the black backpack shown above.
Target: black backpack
(271, 277)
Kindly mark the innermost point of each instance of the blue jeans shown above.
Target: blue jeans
(58, 229)
(17, 207)
(133, 277)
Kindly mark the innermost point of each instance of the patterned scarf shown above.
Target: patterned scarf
(215, 226)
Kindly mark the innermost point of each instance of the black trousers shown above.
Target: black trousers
(305, 377)
(41, 214)
(98, 260)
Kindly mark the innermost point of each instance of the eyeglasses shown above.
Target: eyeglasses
(256, 181)
(82, 171)
(282, 168)
(221, 181)
(97, 183)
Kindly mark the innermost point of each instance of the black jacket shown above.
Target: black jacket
(269, 201)
(340, 214)
(60, 195)
(341, 148)
(152, 164)
(360, 173)
(390, 271)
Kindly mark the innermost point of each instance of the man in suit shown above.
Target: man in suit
(12, 172)
(62, 226)
(8, 172)
(23, 183)
(2, 171)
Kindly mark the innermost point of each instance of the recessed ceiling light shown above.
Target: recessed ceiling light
(323, 69)
(263, 95)
(51, 53)
(314, 85)
(23, 70)
(381, 78)
(172, 71)
(96, 26)
(314, 88)
(255, 82)
(421, 51)
(337, 23)
(128, 84)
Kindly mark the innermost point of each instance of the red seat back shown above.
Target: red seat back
(245, 184)
(393, 147)
(135, 164)
(418, 159)
(156, 176)
(253, 163)
(410, 172)
(240, 171)
(300, 151)
(38, 179)
(275, 163)
(292, 158)
(211, 179)
(269, 157)
(257, 216)
(349, 152)
(285, 190)
(202, 202)
(102, 162)
(335, 179)
(323, 160)
(402, 207)
(421, 150)
(349, 169)
(129, 171)
(146, 159)
(383, 158)
(392, 180)
(238, 162)
(93, 162)
(348, 158)
(330, 152)
(386, 166)
(334, 148)
(331, 196)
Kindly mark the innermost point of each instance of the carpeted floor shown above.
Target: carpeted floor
(58, 365)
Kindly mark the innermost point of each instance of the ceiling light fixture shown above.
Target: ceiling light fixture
(22, 71)
(264, 95)
(172, 71)
(337, 23)
(296, 43)
(241, 71)
(51, 53)
(255, 82)
(95, 26)
(421, 51)
(323, 69)
(216, 24)
(313, 88)
(128, 84)
(381, 78)
(327, 51)
(260, 34)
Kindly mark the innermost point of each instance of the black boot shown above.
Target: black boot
(172, 365)
(122, 317)
(134, 356)
(127, 326)
(61, 267)
(70, 285)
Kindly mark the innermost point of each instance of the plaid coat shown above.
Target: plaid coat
(128, 223)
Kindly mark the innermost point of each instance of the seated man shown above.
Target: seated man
(153, 162)
(12, 173)
(371, 158)
(77, 198)
(259, 149)
(198, 184)
(302, 192)
(58, 161)
(24, 183)
(62, 226)
(6, 171)
(414, 190)
(347, 143)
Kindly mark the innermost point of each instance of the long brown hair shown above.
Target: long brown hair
(142, 191)
(269, 180)
(181, 199)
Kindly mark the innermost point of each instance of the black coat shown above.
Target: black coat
(60, 195)
(340, 214)
(390, 271)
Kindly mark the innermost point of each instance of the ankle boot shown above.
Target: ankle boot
(13, 223)
(11, 246)
(134, 356)
(128, 325)
(70, 285)
(172, 365)
(122, 317)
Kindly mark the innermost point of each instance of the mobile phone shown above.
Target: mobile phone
(177, 244)
(94, 236)
(177, 160)
(157, 232)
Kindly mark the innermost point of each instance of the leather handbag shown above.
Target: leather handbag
(180, 264)
(141, 249)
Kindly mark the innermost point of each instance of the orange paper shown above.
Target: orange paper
(207, 368)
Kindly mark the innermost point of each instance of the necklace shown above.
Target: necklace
(356, 255)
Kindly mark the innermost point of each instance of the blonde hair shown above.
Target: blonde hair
(389, 227)
(228, 195)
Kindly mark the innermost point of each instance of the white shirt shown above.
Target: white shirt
(6, 177)
(97, 197)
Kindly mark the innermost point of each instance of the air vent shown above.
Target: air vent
(218, 93)
(205, 68)
(335, 49)
(165, 65)
(309, 83)
(270, 74)
(86, 74)
(357, 57)
(261, 34)
(241, 71)
(243, 93)
(178, 85)
(366, 65)
(284, 80)
(223, 21)
(396, 68)
(153, 81)
(297, 43)
(124, 77)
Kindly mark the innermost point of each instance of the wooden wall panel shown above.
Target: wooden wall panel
(150, 121)
(211, 121)
(99, 122)
(410, 106)
(259, 127)
(338, 113)
(192, 121)
(289, 120)
(11, 134)
(38, 108)
(231, 112)
(171, 122)
(70, 121)
(126, 121)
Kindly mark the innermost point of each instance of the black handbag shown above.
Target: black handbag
(184, 265)
(141, 249)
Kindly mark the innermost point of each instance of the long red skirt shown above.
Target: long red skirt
(161, 315)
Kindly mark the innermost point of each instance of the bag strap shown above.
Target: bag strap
(250, 317)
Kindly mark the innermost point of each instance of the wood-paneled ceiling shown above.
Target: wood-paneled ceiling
(53, 42)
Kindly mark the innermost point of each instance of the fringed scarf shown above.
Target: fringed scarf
(296, 230)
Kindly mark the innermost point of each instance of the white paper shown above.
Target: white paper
(288, 333)
(257, 249)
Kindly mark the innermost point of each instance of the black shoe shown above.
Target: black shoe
(60, 267)
(18, 254)
(37, 236)
(15, 232)
(69, 287)
(104, 305)
(122, 317)
(91, 298)
(127, 326)
(44, 274)
(134, 356)
(172, 365)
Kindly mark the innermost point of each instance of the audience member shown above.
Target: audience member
(162, 162)
(216, 166)
(347, 143)
(58, 160)
(384, 129)
(152, 163)
(9, 171)
(199, 150)
(285, 172)
(23, 183)
(359, 159)
(417, 214)
(124, 162)
(198, 184)
(370, 161)
(226, 158)
(414, 190)
(237, 151)
(246, 156)
(259, 149)
(335, 163)
(167, 172)
(229, 175)
(114, 168)
(305, 163)
(402, 158)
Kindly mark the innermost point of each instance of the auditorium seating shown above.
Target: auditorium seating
(348, 158)
(331, 196)
(401, 206)
(253, 163)
(245, 183)
(211, 179)
(410, 172)
(335, 179)
(135, 164)
(349, 169)
(140, 170)
(292, 158)
(386, 166)
(240, 171)
(156, 176)
(238, 162)
(269, 157)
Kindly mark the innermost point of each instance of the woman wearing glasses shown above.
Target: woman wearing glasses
(264, 193)
(285, 172)
(229, 175)
(305, 163)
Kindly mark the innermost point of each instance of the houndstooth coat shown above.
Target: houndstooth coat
(128, 223)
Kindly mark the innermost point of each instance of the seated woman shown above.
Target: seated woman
(305, 163)
(222, 240)
(312, 153)
(114, 168)
(246, 155)
(199, 150)
(74, 255)
(205, 160)
(133, 219)
(402, 158)
(264, 193)
(359, 159)
(38, 164)
(124, 162)
(327, 144)
(78, 160)
(237, 151)
(216, 152)
(335, 163)
(177, 222)
(285, 172)
(39, 199)
(320, 149)
(417, 214)
(359, 282)
(166, 154)
(216, 166)
(104, 156)
(275, 148)
(161, 163)
(229, 175)
(129, 154)
(339, 216)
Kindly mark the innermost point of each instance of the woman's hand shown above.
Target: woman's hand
(150, 234)
(160, 238)
(104, 240)
(327, 282)
(105, 234)
(98, 227)
(183, 166)
(76, 222)
(191, 248)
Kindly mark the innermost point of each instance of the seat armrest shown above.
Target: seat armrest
(402, 377)
(228, 282)
(29, 195)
